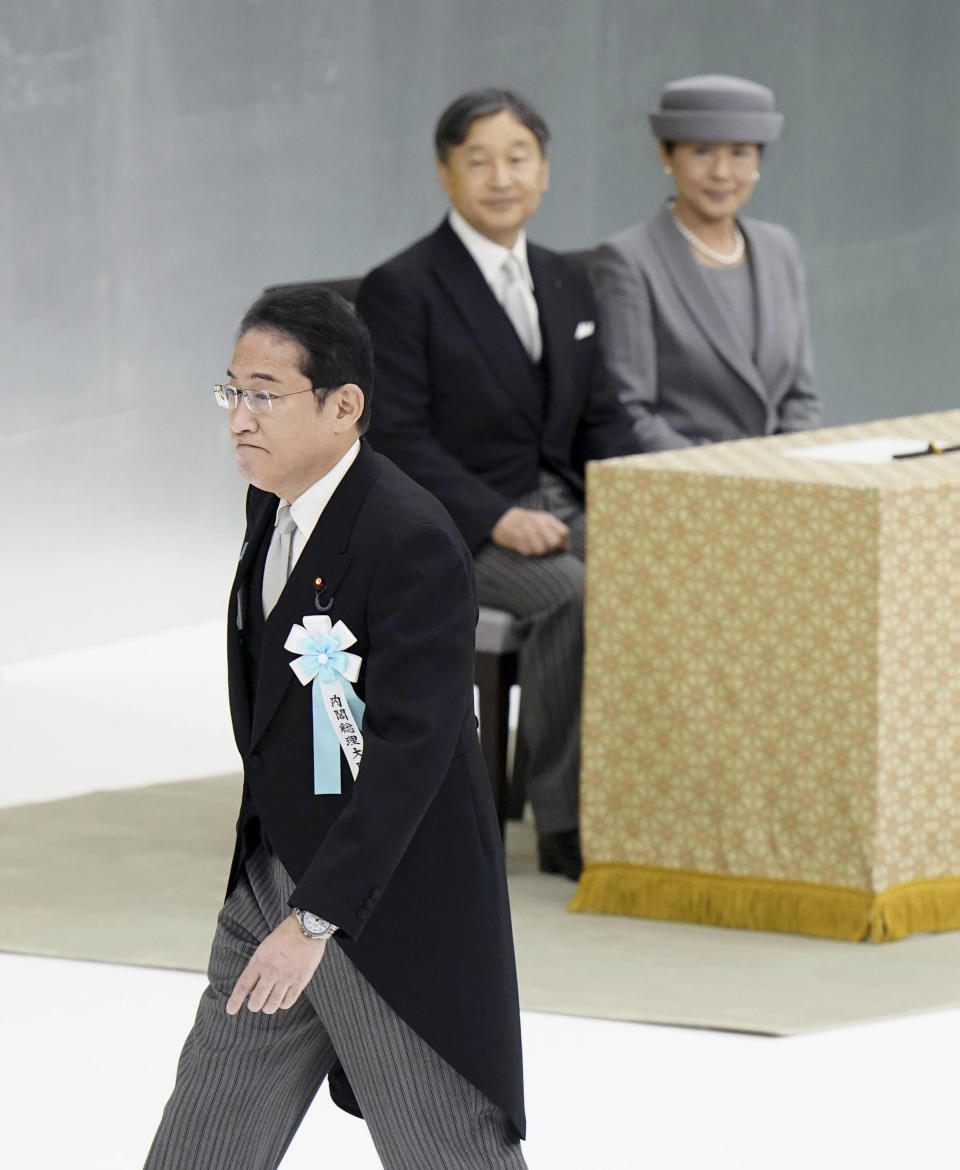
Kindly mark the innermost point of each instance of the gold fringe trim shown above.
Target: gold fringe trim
(762, 904)
(916, 908)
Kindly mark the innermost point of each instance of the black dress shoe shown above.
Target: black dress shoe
(560, 853)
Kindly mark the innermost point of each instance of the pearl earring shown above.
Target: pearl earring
(668, 170)
(756, 175)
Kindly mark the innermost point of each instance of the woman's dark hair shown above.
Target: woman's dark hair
(668, 147)
(335, 342)
(456, 120)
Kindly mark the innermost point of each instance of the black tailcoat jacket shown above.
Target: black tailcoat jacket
(407, 859)
(460, 406)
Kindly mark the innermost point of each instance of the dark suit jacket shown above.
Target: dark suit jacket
(458, 404)
(675, 354)
(407, 860)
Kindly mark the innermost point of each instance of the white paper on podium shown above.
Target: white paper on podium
(879, 450)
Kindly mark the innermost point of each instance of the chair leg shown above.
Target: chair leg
(517, 791)
(494, 677)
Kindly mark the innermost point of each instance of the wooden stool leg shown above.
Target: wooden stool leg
(493, 682)
(517, 793)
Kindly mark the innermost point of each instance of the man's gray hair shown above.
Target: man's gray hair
(456, 120)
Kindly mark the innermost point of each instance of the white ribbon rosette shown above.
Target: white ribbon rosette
(337, 711)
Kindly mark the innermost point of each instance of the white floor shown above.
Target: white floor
(88, 1050)
(138, 711)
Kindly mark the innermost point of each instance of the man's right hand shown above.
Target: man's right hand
(530, 533)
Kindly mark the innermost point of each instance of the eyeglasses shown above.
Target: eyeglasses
(257, 401)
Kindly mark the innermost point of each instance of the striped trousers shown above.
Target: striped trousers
(244, 1082)
(546, 593)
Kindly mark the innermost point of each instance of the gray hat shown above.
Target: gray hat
(716, 108)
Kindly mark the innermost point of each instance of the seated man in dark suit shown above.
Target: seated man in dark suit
(490, 392)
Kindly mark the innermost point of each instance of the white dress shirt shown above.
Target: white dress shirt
(491, 257)
(307, 508)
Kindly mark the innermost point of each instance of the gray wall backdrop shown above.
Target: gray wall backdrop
(164, 160)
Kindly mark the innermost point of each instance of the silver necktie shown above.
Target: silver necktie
(521, 307)
(279, 561)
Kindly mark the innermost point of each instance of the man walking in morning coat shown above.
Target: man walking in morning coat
(366, 921)
(490, 393)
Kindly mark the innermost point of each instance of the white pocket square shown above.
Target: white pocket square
(584, 329)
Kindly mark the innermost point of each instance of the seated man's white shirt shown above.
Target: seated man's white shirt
(490, 258)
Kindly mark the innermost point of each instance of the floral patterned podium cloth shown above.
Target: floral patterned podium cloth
(771, 719)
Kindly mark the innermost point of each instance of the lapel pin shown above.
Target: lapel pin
(319, 585)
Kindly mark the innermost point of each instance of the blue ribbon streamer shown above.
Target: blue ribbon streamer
(326, 744)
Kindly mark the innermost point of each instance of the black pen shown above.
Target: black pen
(932, 449)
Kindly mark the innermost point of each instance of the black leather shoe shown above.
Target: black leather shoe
(560, 853)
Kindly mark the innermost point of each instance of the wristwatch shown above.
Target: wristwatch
(313, 926)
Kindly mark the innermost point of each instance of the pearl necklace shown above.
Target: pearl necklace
(728, 258)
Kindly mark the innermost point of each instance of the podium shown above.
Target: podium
(771, 713)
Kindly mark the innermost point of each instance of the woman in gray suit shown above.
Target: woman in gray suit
(703, 314)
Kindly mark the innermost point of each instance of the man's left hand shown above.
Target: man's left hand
(278, 971)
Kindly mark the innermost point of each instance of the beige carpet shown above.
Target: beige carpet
(136, 876)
